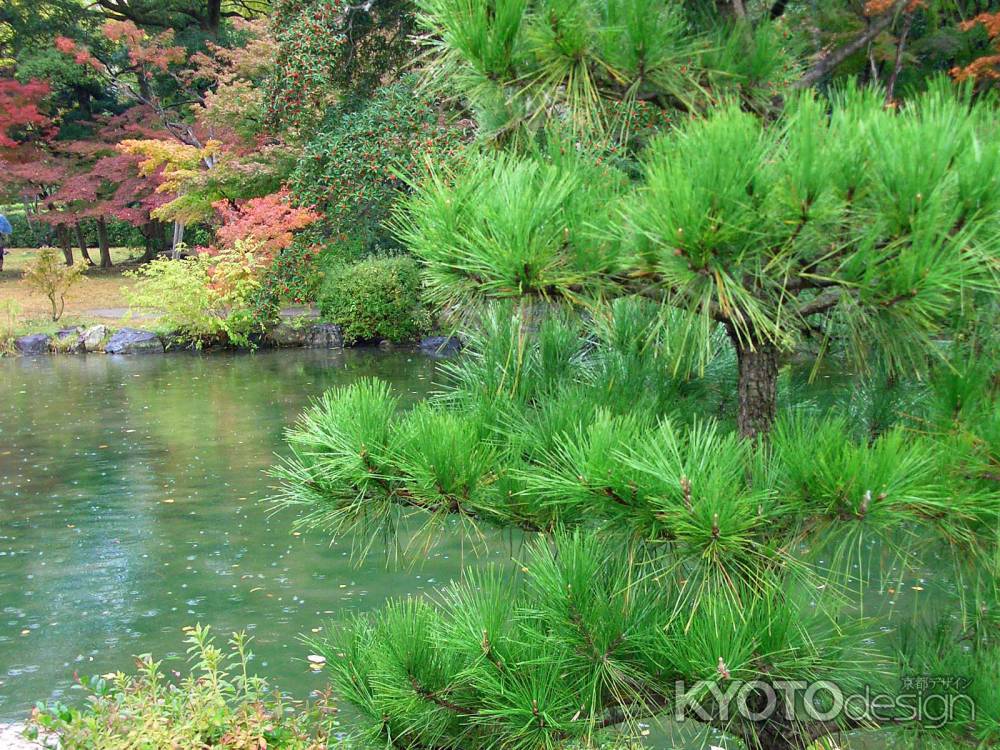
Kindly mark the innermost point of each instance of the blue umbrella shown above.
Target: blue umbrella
(5, 227)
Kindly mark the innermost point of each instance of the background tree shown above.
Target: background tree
(206, 15)
(162, 77)
(355, 167)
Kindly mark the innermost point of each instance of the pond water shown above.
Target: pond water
(130, 507)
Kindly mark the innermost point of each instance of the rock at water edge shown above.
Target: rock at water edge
(93, 337)
(35, 343)
(69, 341)
(441, 345)
(134, 341)
(324, 336)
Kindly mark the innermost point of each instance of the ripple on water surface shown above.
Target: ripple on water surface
(130, 492)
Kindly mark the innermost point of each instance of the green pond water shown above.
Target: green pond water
(130, 507)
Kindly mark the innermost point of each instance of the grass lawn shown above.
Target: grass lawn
(97, 298)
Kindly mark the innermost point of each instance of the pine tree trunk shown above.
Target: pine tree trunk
(81, 240)
(62, 237)
(102, 241)
(758, 381)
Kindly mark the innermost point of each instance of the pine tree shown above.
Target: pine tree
(668, 544)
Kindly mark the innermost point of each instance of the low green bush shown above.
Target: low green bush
(179, 290)
(377, 298)
(218, 705)
(295, 275)
(205, 296)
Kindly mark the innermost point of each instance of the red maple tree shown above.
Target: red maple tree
(267, 225)
(987, 67)
(22, 118)
(102, 182)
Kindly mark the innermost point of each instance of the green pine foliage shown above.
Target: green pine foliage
(867, 223)
(509, 227)
(519, 64)
(962, 669)
(534, 661)
(643, 405)
(844, 222)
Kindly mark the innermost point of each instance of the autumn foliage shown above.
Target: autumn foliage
(268, 224)
(21, 115)
(987, 67)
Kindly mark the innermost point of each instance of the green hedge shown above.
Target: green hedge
(374, 299)
(39, 234)
(120, 233)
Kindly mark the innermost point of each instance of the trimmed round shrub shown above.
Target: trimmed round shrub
(377, 298)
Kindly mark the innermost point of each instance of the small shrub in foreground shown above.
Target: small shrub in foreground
(9, 311)
(218, 705)
(378, 298)
(179, 289)
(204, 296)
(49, 275)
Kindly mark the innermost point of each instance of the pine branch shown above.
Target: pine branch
(825, 301)
(828, 62)
(435, 698)
(659, 292)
